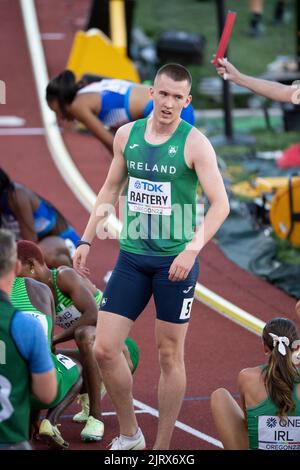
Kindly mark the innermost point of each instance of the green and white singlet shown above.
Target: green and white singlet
(160, 205)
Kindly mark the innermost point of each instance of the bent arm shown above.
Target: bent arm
(272, 90)
(24, 215)
(71, 284)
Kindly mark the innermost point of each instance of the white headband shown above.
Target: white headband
(281, 340)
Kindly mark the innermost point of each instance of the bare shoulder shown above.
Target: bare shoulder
(251, 374)
(39, 290)
(64, 272)
(198, 147)
(122, 135)
(40, 286)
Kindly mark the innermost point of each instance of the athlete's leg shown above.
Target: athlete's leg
(173, 301)
(85, 337)
(112, 330)
(229, 420)
(54, 413)
(170, 339)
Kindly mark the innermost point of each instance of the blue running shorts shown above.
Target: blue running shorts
(136, 277)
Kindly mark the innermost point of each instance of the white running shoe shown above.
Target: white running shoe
(137, 442)
(93, 430)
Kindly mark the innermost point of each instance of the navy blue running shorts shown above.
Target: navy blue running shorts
(136, 277)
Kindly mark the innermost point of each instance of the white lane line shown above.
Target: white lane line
(22, 131)
(180, 425)
(57, 148)
(229, 310)
(11, 121)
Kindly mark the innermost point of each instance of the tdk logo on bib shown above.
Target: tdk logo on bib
(151, 187)
(149, 197)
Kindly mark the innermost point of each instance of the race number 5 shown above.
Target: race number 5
(7, 408)
(186, 308)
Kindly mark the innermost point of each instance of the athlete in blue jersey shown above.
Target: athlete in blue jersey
(108, 103)
(32, 218)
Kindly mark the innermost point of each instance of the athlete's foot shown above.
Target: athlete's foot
(51, 435)
(93, 430)
(136, 442)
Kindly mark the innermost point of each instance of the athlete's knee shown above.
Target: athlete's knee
(170, 357)
(105, 353)
(218, 397)
(85, 336)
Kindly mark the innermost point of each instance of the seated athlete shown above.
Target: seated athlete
(35, 299)
(270, 393)
(76, 306)
(106, 103)
(31, 217)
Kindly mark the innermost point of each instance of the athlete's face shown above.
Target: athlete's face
(54, 105)
(169, 98)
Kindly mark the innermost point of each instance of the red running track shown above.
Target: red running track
(216, 348)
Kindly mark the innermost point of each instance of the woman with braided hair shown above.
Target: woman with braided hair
(270, 397)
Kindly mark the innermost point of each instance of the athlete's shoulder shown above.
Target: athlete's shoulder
(122, 134)
(196, 136)
(43, 291)
(66, 277)
(249, 375)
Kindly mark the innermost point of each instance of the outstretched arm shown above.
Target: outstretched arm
(272, 90)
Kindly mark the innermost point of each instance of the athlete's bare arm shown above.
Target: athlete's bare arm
(108, 195)
(72, 285)
(21, 206)
(201, 156)
(272, 90)
(86, 115)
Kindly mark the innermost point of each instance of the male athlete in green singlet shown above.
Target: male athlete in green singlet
(163, 158)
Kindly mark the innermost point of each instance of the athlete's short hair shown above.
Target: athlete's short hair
(177, 72)
(29, 251)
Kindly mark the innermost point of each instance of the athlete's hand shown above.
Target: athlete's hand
(227, 71)
(80, 257)
(182, 264)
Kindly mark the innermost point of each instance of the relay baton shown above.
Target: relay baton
(223, 43)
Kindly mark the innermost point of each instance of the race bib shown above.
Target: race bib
(67, 316)
(65, 361)
(279, 434)
(149, 197)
